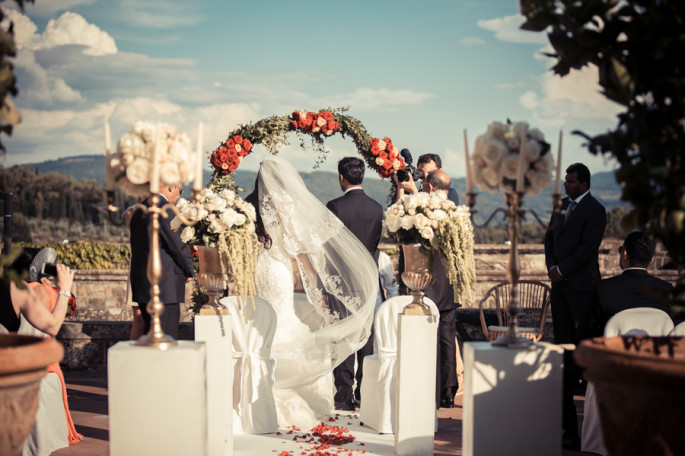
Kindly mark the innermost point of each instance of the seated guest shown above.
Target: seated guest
(634, 287)
(388, 285)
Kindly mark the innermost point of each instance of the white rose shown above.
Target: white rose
(138, 171)
(496, 130)
(421, 221)
(491, 177)
(427, 233)
(510, 165)
(379, 161)
(539, 180)
(410, 202)
(178, 152)
(396, 164)
(493, 152)
(217, 226)
(187, 234)
(238, 147)
(320, 122)
(532, 150)
(250, 212)
(407, 222)
(381, 144)
(130, 145)
(169, 174)
(439, 215)
(228, 194)
(536, 134)
(175, 223)
(393, 223)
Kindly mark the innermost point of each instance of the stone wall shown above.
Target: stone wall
(103, 316)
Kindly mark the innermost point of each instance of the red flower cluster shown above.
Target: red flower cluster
(226, 158)
(388, 159)
(321, 122)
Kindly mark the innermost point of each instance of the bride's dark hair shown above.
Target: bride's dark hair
(260, 231)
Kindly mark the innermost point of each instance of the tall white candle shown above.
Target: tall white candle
(520, 174)
(557, 183)
(156, 154)
(469, 176)
(109, 180)
(197, 185)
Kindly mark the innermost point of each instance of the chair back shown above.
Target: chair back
(386, 321)
(639, 321)
(533, 299)
(678, 330)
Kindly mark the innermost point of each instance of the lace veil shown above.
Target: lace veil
(338, 274)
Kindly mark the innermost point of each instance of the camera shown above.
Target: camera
(410, 170)
(49, 269)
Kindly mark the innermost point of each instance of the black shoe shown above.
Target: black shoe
(570, 442)
(447, 402)
(345, 406)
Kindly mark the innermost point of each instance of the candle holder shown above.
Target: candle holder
(514, 214)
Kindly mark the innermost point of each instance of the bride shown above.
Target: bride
(316, 332)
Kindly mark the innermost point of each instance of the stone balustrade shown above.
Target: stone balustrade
(103, 317)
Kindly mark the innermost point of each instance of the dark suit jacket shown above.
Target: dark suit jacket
(453, 196)
(362, 215)
(574, 246)
(177, 264)
(633, 288)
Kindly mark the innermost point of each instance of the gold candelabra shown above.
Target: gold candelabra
(514, 213)
(155, 337)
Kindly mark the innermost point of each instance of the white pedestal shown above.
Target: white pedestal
(415, 393)
(215, 331)
(157, 400)
(512, 399)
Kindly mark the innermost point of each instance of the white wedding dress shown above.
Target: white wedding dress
(298, 406)
(316, 332)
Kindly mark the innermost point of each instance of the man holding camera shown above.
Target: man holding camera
(434, 179)
(427, 163)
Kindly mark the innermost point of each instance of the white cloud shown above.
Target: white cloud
(42, 87)
(160, 14)
(49, 8)
(509, 85)
(367, 98)
(471, 41)
(72, 28)
(507, 29)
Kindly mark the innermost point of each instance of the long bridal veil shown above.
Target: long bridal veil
(339, 276)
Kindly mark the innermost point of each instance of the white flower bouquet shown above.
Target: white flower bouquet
(496, 159)
(227, 222)
(437, 224)
(131, 166)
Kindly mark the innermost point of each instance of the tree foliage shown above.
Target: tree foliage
(638, 48)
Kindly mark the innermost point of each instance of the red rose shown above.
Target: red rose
(238, 139)
(308, 122)
(293, 124)
(296, 115)
(230, 144)
(388, 141)
(383, 154)
(387, 164)
(332, 125)
(231, 168)
(374, 141)
(328, 115)
(310, 115)
(247, 145)
(375, 150)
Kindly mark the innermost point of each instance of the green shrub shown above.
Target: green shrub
(89, 255)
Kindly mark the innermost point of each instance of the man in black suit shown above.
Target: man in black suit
(572, 245)
(363, 216)
(426, 164)
(177, 264)
(634, 287)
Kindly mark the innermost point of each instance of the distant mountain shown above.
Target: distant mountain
(324, 185)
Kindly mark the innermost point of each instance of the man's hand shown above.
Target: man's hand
(554, 274)
(407, 186)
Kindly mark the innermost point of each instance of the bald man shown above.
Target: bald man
(442, 294)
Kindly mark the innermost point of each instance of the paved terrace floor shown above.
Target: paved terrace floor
(87, 394)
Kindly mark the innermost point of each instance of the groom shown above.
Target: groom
(363, 216)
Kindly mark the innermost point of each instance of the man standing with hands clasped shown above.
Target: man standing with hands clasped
(363, 216)
(572, 245)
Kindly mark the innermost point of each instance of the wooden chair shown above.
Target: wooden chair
(534, 299)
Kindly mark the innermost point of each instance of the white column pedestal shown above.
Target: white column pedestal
(512, 399)
(216, 332)
(157, 400)
(415, 392)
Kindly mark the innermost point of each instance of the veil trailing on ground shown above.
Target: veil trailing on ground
(338, 274)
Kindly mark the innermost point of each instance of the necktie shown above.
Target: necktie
(569, 209)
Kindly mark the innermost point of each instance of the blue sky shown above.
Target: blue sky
(417, 72)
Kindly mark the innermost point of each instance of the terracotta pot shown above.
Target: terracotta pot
(640, 386)
(209, 259)
(23, 363)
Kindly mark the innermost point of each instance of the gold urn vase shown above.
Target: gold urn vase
(212, 279)
(417, 275)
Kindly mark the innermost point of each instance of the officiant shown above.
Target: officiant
(434, 179)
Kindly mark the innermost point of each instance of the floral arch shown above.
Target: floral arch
(379, 154)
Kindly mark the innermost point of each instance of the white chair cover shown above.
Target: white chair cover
(679, 330)
(253, 367)
(640, 321)
(377, 409)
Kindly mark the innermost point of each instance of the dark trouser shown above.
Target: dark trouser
(169, 318)
(344, 374)
(446, 376)
(572, 313)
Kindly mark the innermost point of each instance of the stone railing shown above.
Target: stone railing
(103, 317)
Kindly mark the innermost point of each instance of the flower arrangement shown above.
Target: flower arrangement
(309, 122)
(225, 221)
(388, 159)
(435, 222)
(496, 158)
(131, 165)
